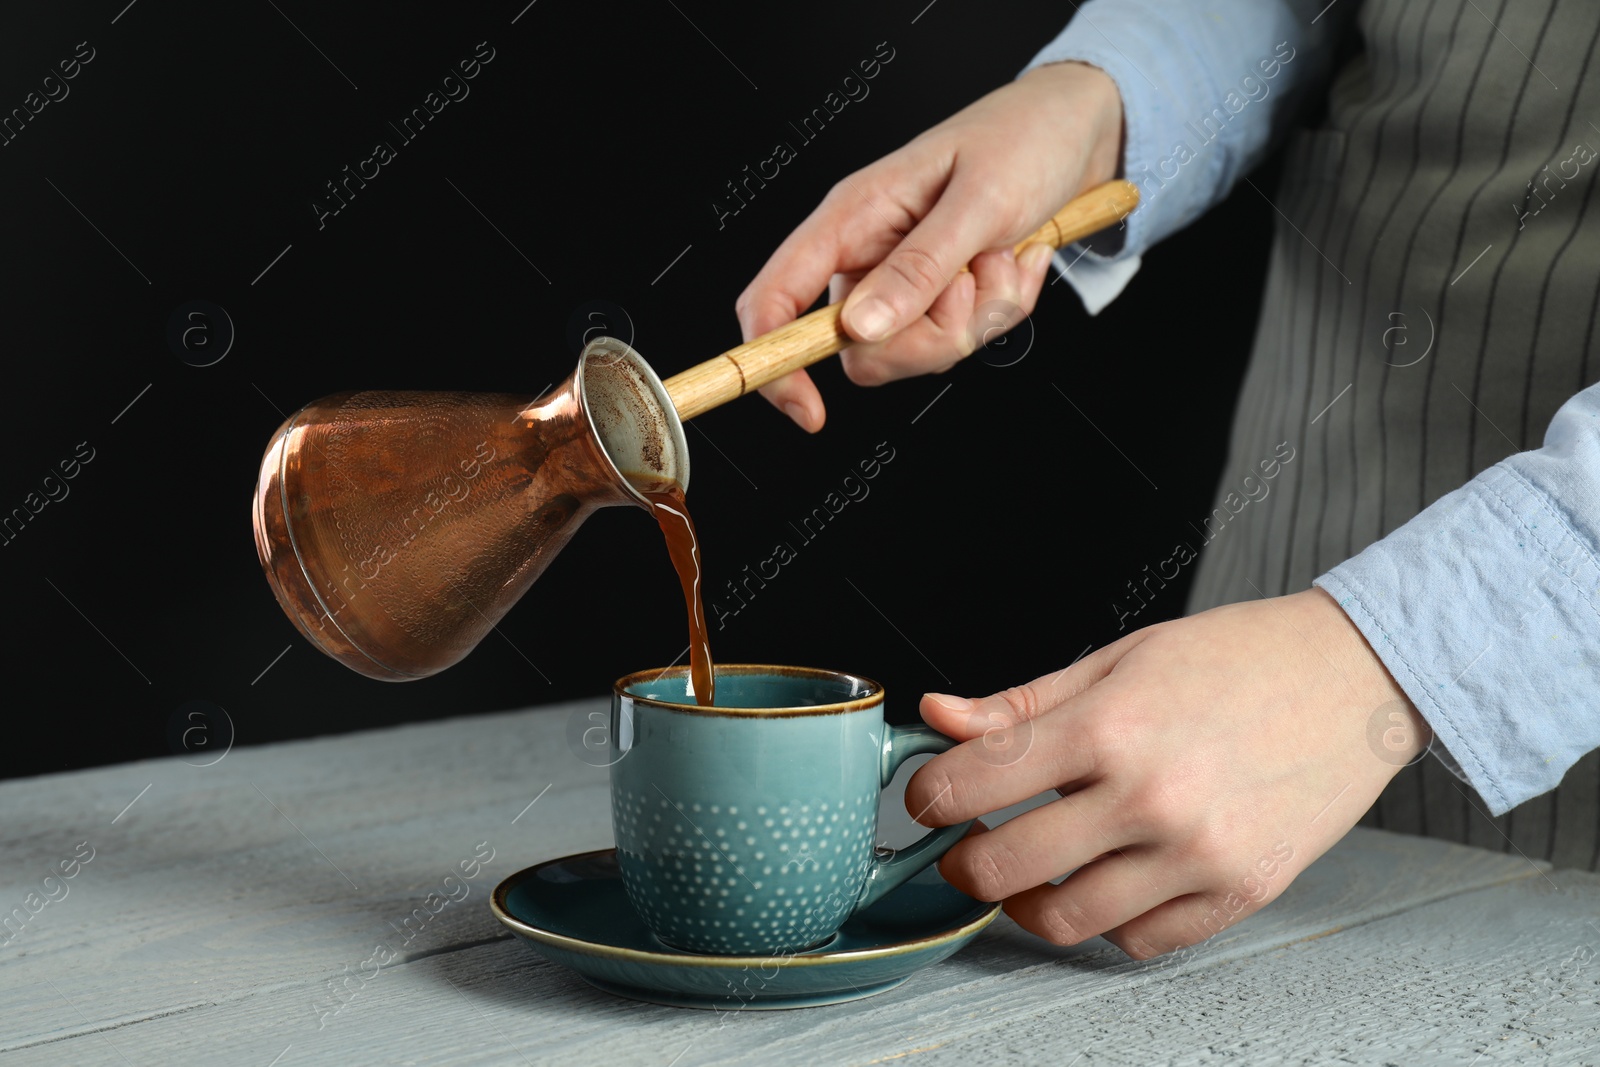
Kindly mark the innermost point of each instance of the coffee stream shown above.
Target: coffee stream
(672, 514)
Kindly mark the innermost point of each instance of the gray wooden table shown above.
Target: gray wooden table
(219, 904)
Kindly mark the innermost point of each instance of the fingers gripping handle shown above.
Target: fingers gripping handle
(819, 335)
(899, 744)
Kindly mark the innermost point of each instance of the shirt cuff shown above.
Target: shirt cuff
(1082, 42)
(1097, 279)
(1483, 608)
(1205, 90)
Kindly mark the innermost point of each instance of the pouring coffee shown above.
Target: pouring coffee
(397, 528)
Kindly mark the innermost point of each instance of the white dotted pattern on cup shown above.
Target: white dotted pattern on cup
(738, 878)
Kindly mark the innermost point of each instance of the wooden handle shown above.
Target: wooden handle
(819, 335)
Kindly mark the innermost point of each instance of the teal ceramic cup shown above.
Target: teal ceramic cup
(750, 827)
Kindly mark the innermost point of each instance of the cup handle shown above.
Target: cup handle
(899, 744)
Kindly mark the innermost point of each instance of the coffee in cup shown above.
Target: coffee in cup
(751, 826)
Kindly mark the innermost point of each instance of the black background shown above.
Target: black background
(196, 141)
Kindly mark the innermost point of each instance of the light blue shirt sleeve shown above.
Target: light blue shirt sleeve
(1486, 609)
(1207, 89)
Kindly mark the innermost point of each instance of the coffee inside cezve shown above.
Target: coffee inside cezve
(671, 513)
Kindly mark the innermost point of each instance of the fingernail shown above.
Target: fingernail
(871, 319)
(1034, 256)
(798, 414)
(950, 703)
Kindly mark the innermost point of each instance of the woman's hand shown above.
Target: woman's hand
(1202, 765)
(893, 237)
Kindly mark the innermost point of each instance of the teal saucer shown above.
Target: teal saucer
(575, 912)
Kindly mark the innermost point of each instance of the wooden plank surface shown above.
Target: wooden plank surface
(218, 907)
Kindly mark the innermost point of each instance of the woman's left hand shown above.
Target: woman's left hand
(1202, 764)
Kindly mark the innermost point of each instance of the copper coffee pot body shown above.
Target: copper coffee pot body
(397, 528)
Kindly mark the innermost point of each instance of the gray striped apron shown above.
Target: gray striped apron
(1430, 307)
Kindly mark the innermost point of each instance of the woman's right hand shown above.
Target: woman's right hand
(890, 239)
